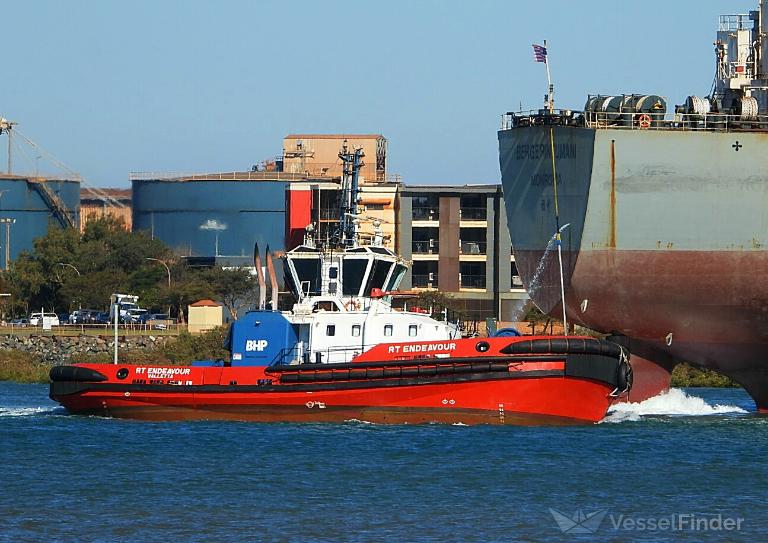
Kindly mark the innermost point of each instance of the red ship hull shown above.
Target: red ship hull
(541, 388)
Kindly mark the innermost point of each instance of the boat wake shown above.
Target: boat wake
(29, 411)
(674, 402)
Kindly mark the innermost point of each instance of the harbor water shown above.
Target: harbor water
(687, 466)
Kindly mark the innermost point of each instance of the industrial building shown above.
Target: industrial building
(29, 206)
(455, 236)
(317, 155)
(458, 241)
(96, 203)
(213, 215)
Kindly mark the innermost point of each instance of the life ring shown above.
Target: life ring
(352, 305)
(644, 121)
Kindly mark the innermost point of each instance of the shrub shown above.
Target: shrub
(22, 367)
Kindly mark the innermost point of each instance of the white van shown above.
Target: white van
(34, 319)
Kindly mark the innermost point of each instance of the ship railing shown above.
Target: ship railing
(637, 120)
(303, 355)
(731, 23)
(541, 117)
(678, 121)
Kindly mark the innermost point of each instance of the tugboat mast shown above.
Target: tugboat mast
(348, 210)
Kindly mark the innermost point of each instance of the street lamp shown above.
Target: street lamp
(7, 222)
(169, 277)
(216, 226)
(71, 266)
(79, 303)
(166, 268)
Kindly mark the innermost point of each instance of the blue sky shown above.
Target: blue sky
(112, 87)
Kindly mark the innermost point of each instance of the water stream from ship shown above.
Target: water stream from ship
(535, 284)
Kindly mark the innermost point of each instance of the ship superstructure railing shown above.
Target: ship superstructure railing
(638, 121)
(330, 355)
(732, 23)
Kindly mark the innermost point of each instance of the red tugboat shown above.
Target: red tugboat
(498, 380)
(343, 353)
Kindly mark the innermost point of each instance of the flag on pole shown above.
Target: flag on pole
(540, 53)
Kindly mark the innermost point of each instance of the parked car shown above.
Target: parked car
(133, 315)
(35, 319)
(158, 321)
(20, 322)
(100, 317)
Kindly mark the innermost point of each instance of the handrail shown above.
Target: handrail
(631, 120)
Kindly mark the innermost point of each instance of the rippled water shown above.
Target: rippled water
(64, 478)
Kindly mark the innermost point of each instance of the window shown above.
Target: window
(354, 270)
(425, 240)
(330, 330)
(413, 330)
(424, 274)
(472, 275)
(473, 207)
(333, 272)
(355, 330)
(387, 329)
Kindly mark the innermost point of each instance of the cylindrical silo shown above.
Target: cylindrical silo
(211, 217)
(31, 205)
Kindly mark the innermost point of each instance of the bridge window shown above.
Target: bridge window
(413, 330)
(388, 329)
(330, 330)
(352, 278)
(355, 330)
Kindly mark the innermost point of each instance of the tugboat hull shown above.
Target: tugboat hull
(502, 388)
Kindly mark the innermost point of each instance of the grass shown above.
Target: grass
(22, 367)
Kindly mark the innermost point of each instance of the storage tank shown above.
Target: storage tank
(207, 216)
(30, 205)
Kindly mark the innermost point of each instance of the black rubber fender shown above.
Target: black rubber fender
(75, 374)
(624, 376)
(564, 345)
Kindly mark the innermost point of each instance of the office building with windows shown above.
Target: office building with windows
(457, 239)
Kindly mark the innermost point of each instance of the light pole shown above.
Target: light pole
(71, 266)
(167, 269)
(216, 226)
(7, 222)
(79, 303)
(7, 125)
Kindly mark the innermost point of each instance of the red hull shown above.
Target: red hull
(515, 391)
(519, 401)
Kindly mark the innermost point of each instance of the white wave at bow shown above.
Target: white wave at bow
(672, 402)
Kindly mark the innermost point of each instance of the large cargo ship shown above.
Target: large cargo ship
(663, 216)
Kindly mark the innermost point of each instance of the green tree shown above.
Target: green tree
(235, 288)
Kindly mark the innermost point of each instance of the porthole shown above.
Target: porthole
(482, 346)
(122, 373)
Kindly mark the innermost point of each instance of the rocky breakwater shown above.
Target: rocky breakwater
(65, 349)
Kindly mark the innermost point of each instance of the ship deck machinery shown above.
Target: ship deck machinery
(664, 216)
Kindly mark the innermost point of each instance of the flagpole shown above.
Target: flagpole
(549, 82)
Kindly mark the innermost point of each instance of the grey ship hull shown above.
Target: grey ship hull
(666, 243)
